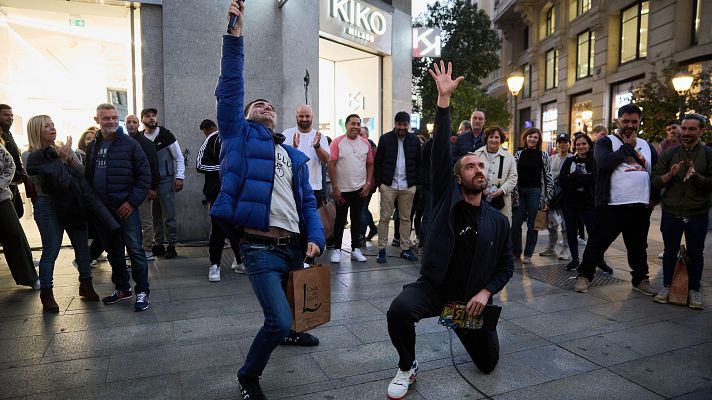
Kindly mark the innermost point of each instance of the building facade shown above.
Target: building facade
(582, 58)
(340, 56)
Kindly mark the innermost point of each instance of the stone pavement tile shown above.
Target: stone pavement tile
(208, 307)
(445, 383)
(214, 290)
(382, 303)
(286, 372)
(593, 385)
(113, 340)
(18, 294)
(370, 332)
(526, 289)
(561, 322)
(339, 294)
(210, 383)
(601, 351)
(554, 362)
(375, 390)
(339, 363)
(561, 301)
(657, 338)
(513, 309)
(17, 328)
(513, 338)
(24, 347)
(354, 309)
(671, 373)
(164, 387)
(222, 327)
(330, 337)
(693, 319)
(167, 360)
(638, 307)
(702, 394)
(397, 275)
(55, 376)
(32, 307)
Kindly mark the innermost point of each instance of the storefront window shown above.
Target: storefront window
(622, 94)
(551, 78)
(634, 32)
(549, 121)
(584, 55)
(581, 113)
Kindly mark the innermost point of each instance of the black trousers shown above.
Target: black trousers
(631, 220)
(216, 243)
(355, 203)
(423, 300)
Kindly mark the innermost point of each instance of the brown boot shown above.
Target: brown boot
(47, 299)
(86, 290)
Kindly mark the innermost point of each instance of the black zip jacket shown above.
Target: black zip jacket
(387, 156)
(492, 264)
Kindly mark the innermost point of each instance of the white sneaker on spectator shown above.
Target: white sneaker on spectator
(565, 255)
(398, 387)
(336, 256)
(357, 255)
(214, 273)
(238, 268)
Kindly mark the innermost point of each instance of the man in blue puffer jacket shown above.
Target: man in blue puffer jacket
(265, 193)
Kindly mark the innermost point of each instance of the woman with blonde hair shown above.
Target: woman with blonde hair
(12, 237)
(501, 171)
(63, 199)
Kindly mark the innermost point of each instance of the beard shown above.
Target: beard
(304, 124)
(5, 127)
(151, 125)
(401, 132)
(473, 187)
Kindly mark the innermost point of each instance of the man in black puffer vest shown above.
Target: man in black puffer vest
(396, 174)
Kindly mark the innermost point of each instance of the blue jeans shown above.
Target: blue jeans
(129, 236)
(528, 206)
(695, 230)
(164, 213)
(51, 232)
(268, 267)
(427, 201)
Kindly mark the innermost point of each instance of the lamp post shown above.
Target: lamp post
(515, 83)
(682, 83)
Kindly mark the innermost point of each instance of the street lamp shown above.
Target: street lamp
(682, 83)
(515, 83)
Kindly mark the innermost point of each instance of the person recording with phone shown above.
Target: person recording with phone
(267, 198)
(467, 257)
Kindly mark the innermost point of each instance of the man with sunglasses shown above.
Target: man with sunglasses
(266, 194)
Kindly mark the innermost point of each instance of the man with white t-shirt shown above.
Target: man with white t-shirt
(314, 145)
(351, 173)
(624, 200)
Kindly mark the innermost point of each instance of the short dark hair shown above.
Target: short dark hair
(346, 121)
(248, 105)
(528, 132)
(5, 107)
(696, 117)
(207, 124)
(671, 122)
(496, 129)
(630, 108)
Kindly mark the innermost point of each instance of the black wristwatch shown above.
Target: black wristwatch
(316, 146)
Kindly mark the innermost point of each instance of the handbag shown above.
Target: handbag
(498, 202)
(454, 316)
(327, 212)
(542, 221)
(309, 296)
(680, 279)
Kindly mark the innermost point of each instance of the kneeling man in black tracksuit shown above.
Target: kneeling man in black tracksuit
(469, 258)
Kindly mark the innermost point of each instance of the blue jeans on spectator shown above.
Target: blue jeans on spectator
(129, 236)
(695, 230)
(51, 232)
(268, 267)
(528, 206)
(571, 217)
(427, 202)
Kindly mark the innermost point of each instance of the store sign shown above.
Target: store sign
(358, 22)
(426, 42)
(77, 23)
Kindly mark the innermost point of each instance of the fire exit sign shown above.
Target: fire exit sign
(79, 23)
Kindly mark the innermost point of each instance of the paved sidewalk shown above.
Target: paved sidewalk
(610, 343)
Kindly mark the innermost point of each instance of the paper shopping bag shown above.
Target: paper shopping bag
(680, 280)
(327, 212)
(309, 295)
(542, 222)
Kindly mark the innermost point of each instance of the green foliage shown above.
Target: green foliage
(468, 97)
(471, 44)
(700, 99)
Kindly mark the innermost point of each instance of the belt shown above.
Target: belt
(276, 241)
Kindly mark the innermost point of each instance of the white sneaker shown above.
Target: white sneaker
(582, 241)
(214, 274)
(93, 263)
(234, 264)
(398, 387)
(238, 268)
(549, 251)
(336, 256)
(565, 255)
(149, 255)
(357, 255)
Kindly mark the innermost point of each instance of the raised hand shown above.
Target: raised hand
(444, 82)
(236, 8)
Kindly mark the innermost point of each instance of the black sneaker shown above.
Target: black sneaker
(117, 296)
(300, 339)
(141, 301)
(395, 243)
(171, 252)
(158, 250)
(572, 266)
(250, 388)
(605, 268)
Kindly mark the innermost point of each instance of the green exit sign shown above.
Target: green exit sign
(79, 23)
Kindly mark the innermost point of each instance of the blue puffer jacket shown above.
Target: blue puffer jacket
(128, 172)
(247, 160)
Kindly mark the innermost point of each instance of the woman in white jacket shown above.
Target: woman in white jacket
(501, 171)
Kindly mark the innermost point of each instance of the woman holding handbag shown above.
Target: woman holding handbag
(501, 171)
(535, 187)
